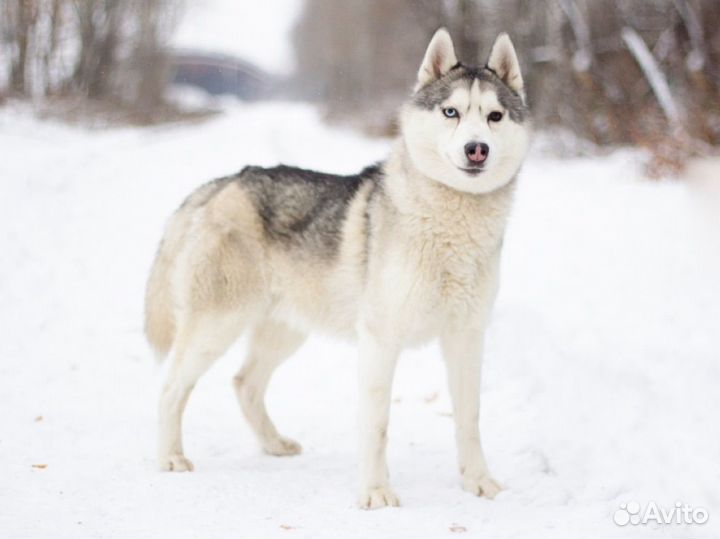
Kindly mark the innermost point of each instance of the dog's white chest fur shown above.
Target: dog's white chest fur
(439, 262)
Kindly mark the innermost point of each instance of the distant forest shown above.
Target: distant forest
(88, 50)
(612, 71)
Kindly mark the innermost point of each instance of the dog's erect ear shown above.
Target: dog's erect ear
(504, 62)
(439, 58)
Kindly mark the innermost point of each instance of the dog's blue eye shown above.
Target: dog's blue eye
(450, 112)
(495, 116)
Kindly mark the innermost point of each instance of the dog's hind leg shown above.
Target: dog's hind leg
(271, 343)
(200, 341)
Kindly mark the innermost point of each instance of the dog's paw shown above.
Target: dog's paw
(482, 486)
(176, 463)
(282, 447)
(377, 497)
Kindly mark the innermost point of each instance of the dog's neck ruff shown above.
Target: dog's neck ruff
(415, 193)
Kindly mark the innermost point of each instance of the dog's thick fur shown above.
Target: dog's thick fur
(404, 252)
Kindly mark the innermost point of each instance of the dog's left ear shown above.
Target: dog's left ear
(504, 62)
(439, 58)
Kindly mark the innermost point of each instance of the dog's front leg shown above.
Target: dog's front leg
(376, 368)
(463, 351)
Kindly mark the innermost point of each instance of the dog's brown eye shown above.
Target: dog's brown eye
(495, 116)
(450, 112)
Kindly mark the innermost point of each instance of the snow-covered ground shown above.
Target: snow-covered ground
(601, 376)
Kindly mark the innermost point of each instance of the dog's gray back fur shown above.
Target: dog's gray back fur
(302, 209)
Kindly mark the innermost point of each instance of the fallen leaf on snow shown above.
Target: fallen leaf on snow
(40, 466)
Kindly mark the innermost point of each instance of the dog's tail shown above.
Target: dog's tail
(160, 304)
(159, 308)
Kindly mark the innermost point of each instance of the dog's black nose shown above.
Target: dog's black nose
(477, 152)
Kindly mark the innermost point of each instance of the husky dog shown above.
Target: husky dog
(403, 252)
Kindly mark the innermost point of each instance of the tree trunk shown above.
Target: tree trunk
(26, 13)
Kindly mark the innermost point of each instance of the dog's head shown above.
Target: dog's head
(467, 127)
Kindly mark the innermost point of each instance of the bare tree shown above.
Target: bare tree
(98, 26)
(89, 49)
(656, 78)
(20, 16)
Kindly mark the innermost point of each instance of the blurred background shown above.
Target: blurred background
(611, 72)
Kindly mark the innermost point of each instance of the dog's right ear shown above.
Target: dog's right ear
(439, 59)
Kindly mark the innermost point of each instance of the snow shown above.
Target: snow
(600, 380)
(254, 31)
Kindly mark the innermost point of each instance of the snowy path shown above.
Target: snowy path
(601, 377)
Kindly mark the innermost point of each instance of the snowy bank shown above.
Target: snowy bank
(601, 373)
